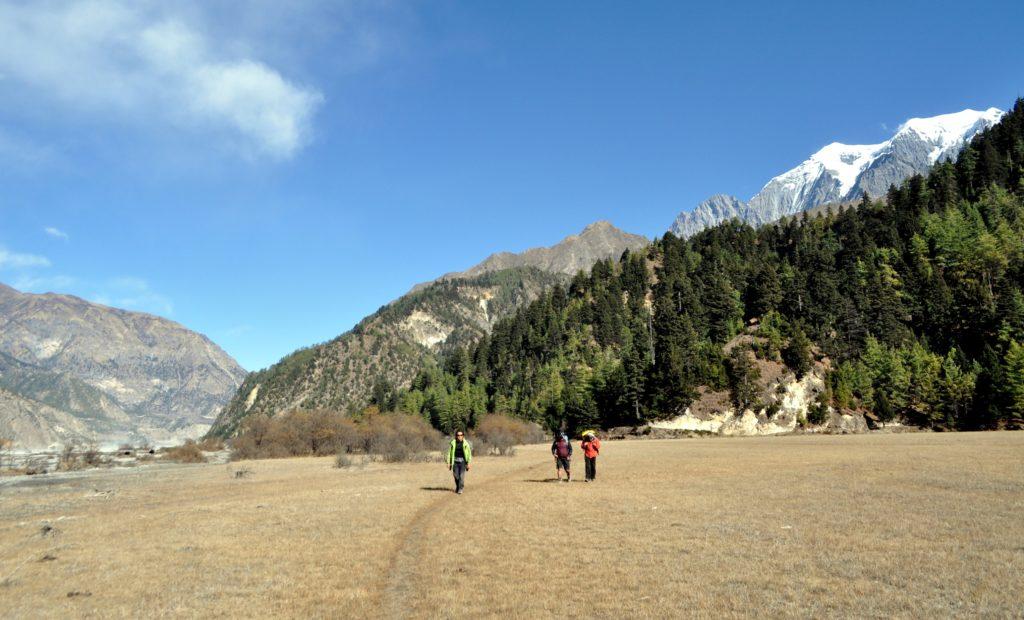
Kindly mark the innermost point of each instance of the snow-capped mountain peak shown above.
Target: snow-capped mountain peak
(949, 130)
(845, 162)
(844, 172)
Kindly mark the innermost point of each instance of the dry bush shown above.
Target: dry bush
(92, 457)
(71, 459)
(35, 465)
(398, 437)
(6, 447)
(390, 437)
(240, 473)
(296, 433)
(188, 452)
(499, 434)
(68, 460)
(344, 460)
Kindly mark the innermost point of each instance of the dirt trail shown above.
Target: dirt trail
(406, 558)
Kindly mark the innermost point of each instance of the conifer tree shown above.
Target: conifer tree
(743, 378)
(797, 353)
(1014, 390)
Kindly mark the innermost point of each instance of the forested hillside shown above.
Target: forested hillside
(915, 302)
(385, 350)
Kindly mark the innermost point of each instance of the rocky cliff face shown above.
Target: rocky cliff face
(842, 172)
(783, 412)
(783, 403)
(87, 372)
(434, 317)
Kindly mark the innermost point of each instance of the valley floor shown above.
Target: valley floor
(920, 525)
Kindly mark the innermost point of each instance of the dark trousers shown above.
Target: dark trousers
(591, 467)
(459, 471)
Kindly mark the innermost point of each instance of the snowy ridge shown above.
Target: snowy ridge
(843, 172)
(950, 130)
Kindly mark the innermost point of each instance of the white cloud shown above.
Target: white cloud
(56, 233)
(137, 60)
(19, 152)
(43, 284)
(129, 293)
(133, 293)
(238, 330)
(14, 260)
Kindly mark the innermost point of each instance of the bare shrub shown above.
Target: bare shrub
(68, 460)
(390, 437)
(499, 434)
(6, 447)
(398, 437)
(188, 452)
(240, 473)
(35, 465)
(296, 433)
(92, 457)
(72, 459)
(343, 460)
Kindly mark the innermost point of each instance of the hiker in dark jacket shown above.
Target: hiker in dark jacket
(561, 449)
(460, 453)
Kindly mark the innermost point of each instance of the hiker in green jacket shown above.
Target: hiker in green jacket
(460, 454)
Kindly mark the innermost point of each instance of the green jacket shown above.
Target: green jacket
(467, 449)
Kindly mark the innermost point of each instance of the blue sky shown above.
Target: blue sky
(268, 173)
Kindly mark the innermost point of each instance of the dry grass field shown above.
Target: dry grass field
(912, 525)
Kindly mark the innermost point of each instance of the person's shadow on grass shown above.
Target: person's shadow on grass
(541, 480)
(449, 489)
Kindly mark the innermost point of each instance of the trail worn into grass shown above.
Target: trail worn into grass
(407, 558)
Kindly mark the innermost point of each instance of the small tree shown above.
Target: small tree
(797, 353)
(1014, 372)
(817, 412)
(384, 395)
(743, 378)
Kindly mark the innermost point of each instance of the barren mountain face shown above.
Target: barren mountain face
(88, 372)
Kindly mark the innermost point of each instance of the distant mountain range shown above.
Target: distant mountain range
(71, 370)
(434, 317)
(842, 172)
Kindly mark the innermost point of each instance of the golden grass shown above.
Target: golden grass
(919, 525)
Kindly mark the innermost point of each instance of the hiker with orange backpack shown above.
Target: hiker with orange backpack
(591, 446)
(561, 449)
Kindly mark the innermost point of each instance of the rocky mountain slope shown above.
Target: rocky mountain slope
(574, 253)
(434, 317)
(391, 344)
(843, 172)
(71, 370)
